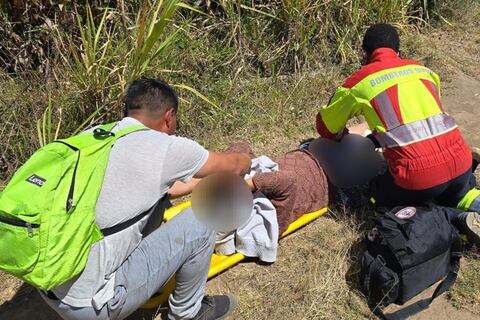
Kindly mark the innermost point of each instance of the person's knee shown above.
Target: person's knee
(194, 227)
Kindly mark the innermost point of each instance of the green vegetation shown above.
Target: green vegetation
(242, 67)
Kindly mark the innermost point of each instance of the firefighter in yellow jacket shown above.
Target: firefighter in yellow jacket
(400, 100)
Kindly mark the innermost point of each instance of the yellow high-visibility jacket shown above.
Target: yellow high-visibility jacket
(400, 100)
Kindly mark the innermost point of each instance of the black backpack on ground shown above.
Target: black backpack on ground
(409, 250)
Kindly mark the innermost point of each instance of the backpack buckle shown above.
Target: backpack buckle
(100, 133)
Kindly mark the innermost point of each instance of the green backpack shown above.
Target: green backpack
(47, 210)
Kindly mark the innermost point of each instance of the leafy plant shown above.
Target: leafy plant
(105, 59)
(150, 28)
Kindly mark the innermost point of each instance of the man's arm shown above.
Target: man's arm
(236, 163)
(332, 118)
(187, 159)
(180, 189)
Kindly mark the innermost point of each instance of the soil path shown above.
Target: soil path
(462, 100)
(440, 309)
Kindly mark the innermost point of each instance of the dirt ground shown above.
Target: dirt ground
(440, 309)
(461, 98)
(463, 103)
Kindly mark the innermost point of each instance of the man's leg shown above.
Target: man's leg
(462, 194)
(457, 189)
(468, 222)
(71, 313)
(387, 194)
(182, 246)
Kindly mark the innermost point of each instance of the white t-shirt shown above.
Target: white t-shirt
(141, 168)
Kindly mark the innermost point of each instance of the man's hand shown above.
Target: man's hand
(236, 163)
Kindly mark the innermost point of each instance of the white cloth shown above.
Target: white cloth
(261, 164)
(258, 237)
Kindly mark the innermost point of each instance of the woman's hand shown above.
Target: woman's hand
(180, 189)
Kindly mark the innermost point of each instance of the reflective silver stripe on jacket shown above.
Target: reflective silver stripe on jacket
(387, 111)
(416, 131)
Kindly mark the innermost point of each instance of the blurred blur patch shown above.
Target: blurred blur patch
(222, 201)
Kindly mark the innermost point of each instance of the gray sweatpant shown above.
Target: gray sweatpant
(182, 246)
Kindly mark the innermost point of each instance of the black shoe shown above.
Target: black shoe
(216, 307)
(468, 223)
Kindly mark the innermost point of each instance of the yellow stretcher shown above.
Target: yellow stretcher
(220, 263)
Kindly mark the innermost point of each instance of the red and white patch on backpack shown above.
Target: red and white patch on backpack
(406, 213)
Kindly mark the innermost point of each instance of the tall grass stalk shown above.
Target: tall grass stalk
(92, 67)
(45, 125)
(150, 28)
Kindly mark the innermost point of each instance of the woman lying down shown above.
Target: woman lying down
(301, 181)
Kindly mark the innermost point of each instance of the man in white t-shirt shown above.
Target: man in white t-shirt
(137, 258)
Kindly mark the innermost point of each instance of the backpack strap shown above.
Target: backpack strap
(105, 131)
(405, 313)
(156, 211)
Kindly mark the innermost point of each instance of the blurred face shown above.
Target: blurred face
(222, 201)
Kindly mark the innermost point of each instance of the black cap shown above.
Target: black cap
(381, 35)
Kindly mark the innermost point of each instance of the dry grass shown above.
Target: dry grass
(313, 278)
(466, 293)
(10, 285)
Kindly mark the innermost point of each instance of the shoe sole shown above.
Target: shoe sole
(473, 224)
(233, 305)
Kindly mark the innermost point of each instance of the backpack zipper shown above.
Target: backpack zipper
(20, 223)
(70, 205)
(29, 229)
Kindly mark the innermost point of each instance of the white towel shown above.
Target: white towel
(258, 237)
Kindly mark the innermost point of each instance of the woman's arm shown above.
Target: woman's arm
(180, 189)
(251, 185)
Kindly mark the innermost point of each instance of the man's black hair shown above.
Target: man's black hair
(381, 35)
(150, 95)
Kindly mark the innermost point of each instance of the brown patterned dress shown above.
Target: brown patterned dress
(300, 186)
